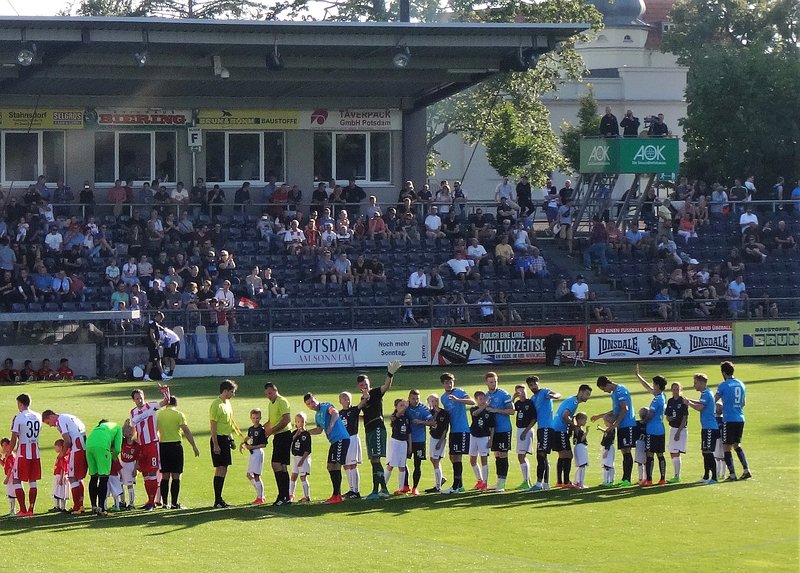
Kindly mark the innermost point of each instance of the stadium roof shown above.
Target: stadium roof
(94, 57)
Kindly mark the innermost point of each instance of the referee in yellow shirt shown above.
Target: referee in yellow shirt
(171, 425)
(222, 426)
(277, 426)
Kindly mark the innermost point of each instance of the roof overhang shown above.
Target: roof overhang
(80, 60)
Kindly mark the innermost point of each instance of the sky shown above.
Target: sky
(31, 7)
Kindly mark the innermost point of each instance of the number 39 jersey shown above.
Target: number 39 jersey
(26, 426)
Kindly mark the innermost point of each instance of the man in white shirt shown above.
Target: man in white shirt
(462, 268)
(748, 219)
(579, 288)
(477, 253)
(736, 295)
(54, 241)
(418, 280)
(433, 224)
(225, 296)
(179, 195)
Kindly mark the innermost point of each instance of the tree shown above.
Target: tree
(588, 125)
(743, 87)
(179, 8)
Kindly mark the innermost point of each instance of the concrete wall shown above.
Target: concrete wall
(82, 357)
(117, 358)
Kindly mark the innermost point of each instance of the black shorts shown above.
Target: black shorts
(626, 437)
(224, 456)
(171, 351)
(152, 352)
(282, 448)
(337, 452)
(560, 441)
(172, 457)
(459, 443)
(654, 443)
(732, 432)
(544, 440)
(418, 451)
(708, 440)
(501, 441)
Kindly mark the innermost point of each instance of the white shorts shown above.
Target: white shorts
(478, 446)
(396, 454)
(301, 469)
(581, 453)
(60, 487)
(114, 486)
(719, 451)
(435, 451)
(255, 465)
(11, 489)
(525, 446)
(608, 461)
(128, 473)
(677, 447)
(640, 457)
(353, 452)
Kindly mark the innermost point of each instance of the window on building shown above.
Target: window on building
(363, 156)
(244, 156)
(26, 155)
(134, 156)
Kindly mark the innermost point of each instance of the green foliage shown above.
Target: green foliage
(588, 125)
(179, 8)
(743, 87)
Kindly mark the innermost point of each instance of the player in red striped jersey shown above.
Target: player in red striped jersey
(143, 417)
(25, 442)
(73, 432)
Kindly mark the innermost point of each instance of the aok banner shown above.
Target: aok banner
(655, 341)
(629, 155)
(494, 345)
(764, 338)
(353, 349)
(43, 118)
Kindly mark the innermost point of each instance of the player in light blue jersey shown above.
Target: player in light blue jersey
(563, 423)
(624, 421)
(328, 421)
(502, 406)
(732, 394)
(543, 402)
(654, 441)
(419, 414)
(709, 429)
(455, 401)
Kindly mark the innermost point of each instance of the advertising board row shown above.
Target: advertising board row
(528, 344)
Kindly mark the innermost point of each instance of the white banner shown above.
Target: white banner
(656, 341)
(353, 349)
(353, 119)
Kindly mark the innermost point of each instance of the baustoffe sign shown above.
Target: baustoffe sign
(629, 155)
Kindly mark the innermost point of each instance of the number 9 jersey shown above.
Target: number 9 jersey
(26, 426)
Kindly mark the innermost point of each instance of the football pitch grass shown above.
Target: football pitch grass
(745, 526)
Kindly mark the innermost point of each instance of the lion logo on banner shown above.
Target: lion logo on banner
(659, 344)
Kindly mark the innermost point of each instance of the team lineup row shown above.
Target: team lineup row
(150, 441)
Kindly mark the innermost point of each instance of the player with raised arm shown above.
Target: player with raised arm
(24, 444)
(677, 414)
(525, 419)
(439, 426)
(502, 406)
(419, 415)
(624, 423)
(654, 429)
(455, 401)
(73, 432)
(709, 429)
(350, 416)
(563, 423)
(372, 407)
(328, 421)
(543, 402)
(143, 417)
(731, 392)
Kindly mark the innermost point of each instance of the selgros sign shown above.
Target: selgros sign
(41, 118)
(764, 338)
(645, 341)
(353, 349)
(629, 155)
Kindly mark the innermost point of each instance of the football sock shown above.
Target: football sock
(283, 484)
(387, 475)
(164, 485)
(546, 478)
(627, 466)
(20, 493)
(526, 471)
(437, 476)
(719, 464)
(711, 465)
(219, 482)
(174, 491)
(417, 472)
(102, 492)
(580, 474)
(662, 466)
(485, 472)
(402, 478)
(742, 458)
(292, 486)
(559, 470)
(457, 469)
(306, 488)
(729, 463)
(12, 501)
(648, 469)
(93, 491)
(377, 476)
(348, 474)
(476, 469)
(253, 483)
(131, 494)
(150, 487)
(540, 463)
(76, 489)
(356, 483)
(676, 465)
(567, 469)
(405, 480)
(502, 468)
(336, 481)
(32, 491)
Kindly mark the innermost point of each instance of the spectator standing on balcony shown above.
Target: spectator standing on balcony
(459, 200)
(608, 124)
(62, 198)
(354, 195)
(657, 127)
(117, 196)
(524, 199)
(242, 197)
(598, 242)
(630, 125)
(504, 190)
(198, 196)
(566, 214)
(269, 189)
(719, 202)
(216, 198)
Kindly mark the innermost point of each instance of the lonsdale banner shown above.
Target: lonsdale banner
(629, 155)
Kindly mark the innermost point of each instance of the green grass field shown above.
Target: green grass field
(746, 526)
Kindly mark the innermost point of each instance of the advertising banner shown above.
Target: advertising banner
(348, 349)
(494, 345)
(766, 337)
(29, 118)
(139, 117)
(655, 341)
(629, 155)
(287, 120)
(258, 119)
(354, 119)
(598, 155)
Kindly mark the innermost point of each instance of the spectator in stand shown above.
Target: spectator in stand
(754, 251)
(579, 289)
(253, 284)
(486, 306)
(179, 195)
(566, 192)
(503, 254)
(565, 217)
(600, 312)
(216, 198)
(608, 124)
(119, 296)
(294, 239)
(117, 196)
(435, 281)
(62, 198)
(748, 220)
(687, 227)
(477, 253)
(7, 290)
(198, 197)
(462, 267)
(145, 270)
(54, 242)
(459, 200)
(705, 304)
(719, 202)
(782, 237)
(418, 281)
(376, 227)
(736, 296)
(345, 235)
(433, 224)
(657, 126)
(361, 270)
(354, 195)
(630, 125)
(504, 309)
(269, 189)
(424, 198)
(663, 306)
(130, 272)
(506, 211)
(172, 297)
(480, 225)
(504, 190)
(667, 248)
(225, 304)
(326, 270)
(665, 217)
(524, 197)
(271, 285)
(78, 291)
(24, 286)
(242, 197)
(614, 237)
(319, 198)
(407, 192)
(734, 264)
(539, 265)
(520, 238)
(796, 196)
(344, 272)
(61, 287)
(701, 214)
(8, 258)
(598, 243)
